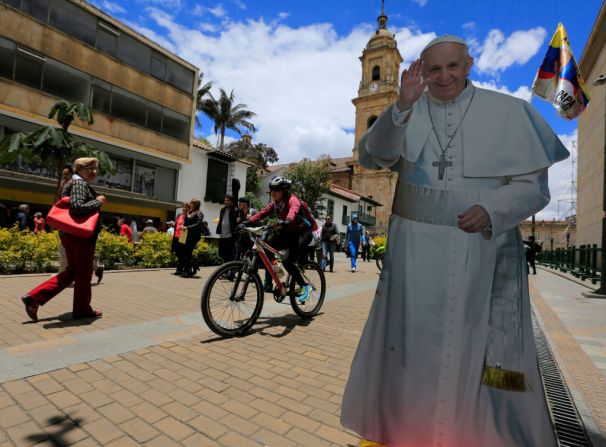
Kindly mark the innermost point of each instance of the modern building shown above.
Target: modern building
(592, 137)
(142, 96)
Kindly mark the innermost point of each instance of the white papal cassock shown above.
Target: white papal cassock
(450, 323)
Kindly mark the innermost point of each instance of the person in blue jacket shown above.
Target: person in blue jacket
(355, 231)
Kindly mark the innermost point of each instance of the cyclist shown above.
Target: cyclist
(296, 224)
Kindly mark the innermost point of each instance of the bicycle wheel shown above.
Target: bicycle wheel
(379, 261)
(230, 307)
(314, 275)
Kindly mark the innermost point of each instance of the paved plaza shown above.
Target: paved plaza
(150, 373)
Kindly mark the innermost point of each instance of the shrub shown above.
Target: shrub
(113, 249)
(23, 251)
(207, 254)
(154, 251)
(379, 241)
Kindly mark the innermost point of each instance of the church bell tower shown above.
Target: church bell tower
(378, 89)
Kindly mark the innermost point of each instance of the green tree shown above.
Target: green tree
(260, 154)
(226, 114)
(201, 96)
(311, 181)
(54, 147)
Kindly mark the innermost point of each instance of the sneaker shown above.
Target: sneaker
(99, 274)
(31, 308)
(305, 292)
(353, 270)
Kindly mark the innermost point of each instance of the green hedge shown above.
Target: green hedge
(25, 252)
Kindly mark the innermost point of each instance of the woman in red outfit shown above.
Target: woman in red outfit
(39, 223)
(80, 252)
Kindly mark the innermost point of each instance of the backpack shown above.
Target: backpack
(307, 218)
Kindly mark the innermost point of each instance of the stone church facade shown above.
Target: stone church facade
(379, 88)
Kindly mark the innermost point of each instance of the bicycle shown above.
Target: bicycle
(232, 298)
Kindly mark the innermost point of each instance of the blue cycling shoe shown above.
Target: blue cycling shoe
(305, 293)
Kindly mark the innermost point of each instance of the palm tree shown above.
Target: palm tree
(54, 146)
(226, 115)
(203, 92)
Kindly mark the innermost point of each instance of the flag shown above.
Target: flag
(559, 79)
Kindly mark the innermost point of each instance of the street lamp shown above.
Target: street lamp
(601, 80)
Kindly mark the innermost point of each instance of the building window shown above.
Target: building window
(344, 217)
(376, 73)
(7, 58)
(122, 179)
(36, 8)
(101, 96)
(73, 21)
(216, 181)
(175, 125)
(65, 82)
(28, 70)
(134, 52)
(179, 76)
(145, 179)
(330, 207)
(154, 117)
(107, 39)
(128, 106)
(371, 121)
(158, 66)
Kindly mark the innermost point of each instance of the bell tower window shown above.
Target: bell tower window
(371, 121)
(376, 73)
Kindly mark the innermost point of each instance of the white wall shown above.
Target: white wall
(192, 184)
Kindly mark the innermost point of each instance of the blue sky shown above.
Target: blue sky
(295, 62)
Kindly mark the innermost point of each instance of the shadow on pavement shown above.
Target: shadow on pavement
(263, 324)
(66, 320)
(59, 426)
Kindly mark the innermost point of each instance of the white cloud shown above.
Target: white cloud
(561, 176)
(411, 43)
(522, 91)
(283, 15)
(218, 11)
(208, 27)
(499, 52)
(112, 7)
(469, 25)
(299, 81)
(421, 3)
(239, 3)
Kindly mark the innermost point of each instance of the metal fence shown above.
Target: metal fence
(582, 262)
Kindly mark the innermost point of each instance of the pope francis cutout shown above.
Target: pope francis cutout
(447, 356)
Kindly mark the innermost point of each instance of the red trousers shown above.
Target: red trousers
(80, 254)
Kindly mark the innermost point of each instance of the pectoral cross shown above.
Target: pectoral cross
(442, 164)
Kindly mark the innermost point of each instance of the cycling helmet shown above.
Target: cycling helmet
(280, 183)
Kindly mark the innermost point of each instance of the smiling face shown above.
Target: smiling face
(446, 67)
(89, 172)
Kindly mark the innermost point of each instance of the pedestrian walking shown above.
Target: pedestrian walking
(365, 246)
(125, 230)
(193, 225)
(170, 227)
(353, 238)
(244, 212)
(178, 243)
(80, 251)
(531, 250)
(329, 238)
(149, 227)
(447, 356)
(22, 216)
(39, 223)
(226, 229)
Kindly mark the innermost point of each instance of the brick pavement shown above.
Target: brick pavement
(280, 386)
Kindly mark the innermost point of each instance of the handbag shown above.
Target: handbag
(61, 218)
(183, 236)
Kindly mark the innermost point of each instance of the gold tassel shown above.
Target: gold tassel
(367, 443)
(504, 379)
